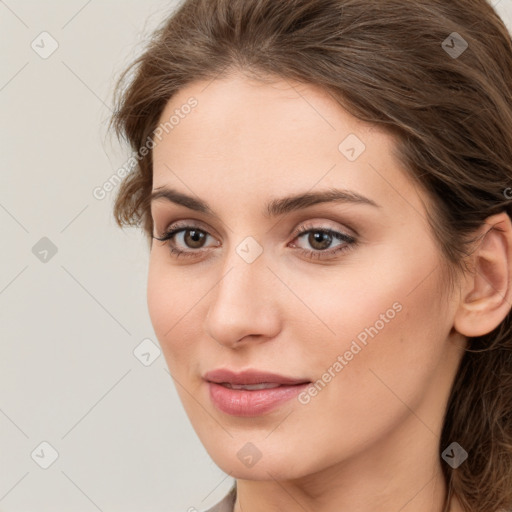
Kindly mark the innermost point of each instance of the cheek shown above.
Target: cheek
(390, 330)
(160, 298)
(170, 304)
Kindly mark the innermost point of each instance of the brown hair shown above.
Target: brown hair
(385, 62)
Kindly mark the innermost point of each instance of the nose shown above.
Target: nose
(244, 304)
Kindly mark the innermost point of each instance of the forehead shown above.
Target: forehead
(279, 113)
(259, 138)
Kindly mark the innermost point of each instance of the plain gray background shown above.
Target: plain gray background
(71, 320)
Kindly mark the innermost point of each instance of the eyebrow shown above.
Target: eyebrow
(276, 207)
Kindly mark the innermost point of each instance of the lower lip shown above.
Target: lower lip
(241, 402)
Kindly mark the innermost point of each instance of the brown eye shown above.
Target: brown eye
(323, 243)
(186, 241)
(319, 240)
(194, 238)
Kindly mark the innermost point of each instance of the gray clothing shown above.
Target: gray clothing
(227, 504)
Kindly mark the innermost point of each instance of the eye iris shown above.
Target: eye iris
(320, 237)
(194, 238)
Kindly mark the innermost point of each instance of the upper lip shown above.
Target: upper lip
(222, 375)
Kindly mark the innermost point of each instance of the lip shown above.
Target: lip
(250, 377)
(250, 403)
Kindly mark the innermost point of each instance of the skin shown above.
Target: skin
(370, 439)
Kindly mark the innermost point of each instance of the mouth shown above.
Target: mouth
(251, 393)
(256, 387)
(251, 377)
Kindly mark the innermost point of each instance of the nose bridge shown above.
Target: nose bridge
(241, 303)
(244, 270)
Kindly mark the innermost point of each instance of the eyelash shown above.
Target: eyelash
(350, 241)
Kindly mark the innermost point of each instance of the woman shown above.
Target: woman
(325, 186)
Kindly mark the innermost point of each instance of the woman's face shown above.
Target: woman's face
(352, 305)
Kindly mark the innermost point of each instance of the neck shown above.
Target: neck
(275, 496)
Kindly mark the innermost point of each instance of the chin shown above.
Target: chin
(238, 464)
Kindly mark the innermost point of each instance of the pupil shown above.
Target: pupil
(196, 237)
(319, 237)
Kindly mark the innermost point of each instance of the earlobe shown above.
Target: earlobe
(487, 293)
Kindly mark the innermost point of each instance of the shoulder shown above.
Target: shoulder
(227, 504)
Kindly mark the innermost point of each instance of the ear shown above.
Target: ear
(487, 292)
